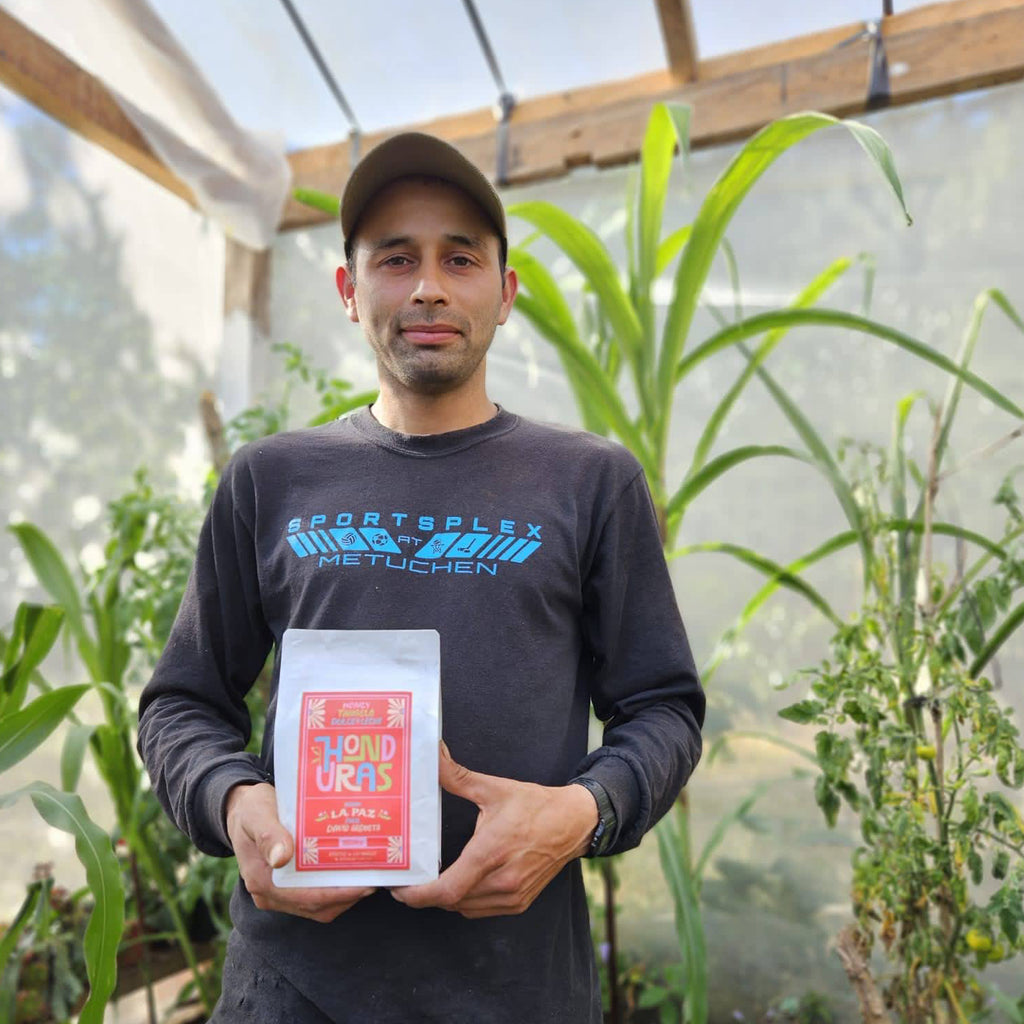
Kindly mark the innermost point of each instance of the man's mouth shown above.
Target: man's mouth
(430, 334)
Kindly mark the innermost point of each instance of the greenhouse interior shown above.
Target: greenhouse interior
(769, 258)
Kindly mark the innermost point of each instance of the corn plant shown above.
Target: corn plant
(95, 617)
(618, 332)
(23, 727)
(125, 607)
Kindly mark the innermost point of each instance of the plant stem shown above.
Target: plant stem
(140, 912)
(951, 996)
(608, 877)
(1019, 850)
(169, 897)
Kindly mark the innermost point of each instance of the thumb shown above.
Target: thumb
(459, 780)
(272, 839)
(277, 850)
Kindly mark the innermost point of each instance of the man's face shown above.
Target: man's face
(428, 290)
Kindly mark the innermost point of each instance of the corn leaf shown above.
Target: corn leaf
(1006, 629)
(589, 408)
(670, 248)
(781, 576)
(593, 261)
(966, 353)
(808, 297)
(66, 812)
(724, 823)
(537, 279)
(599, 389)
(906, 547)
(822, 458)
(23, 731)
(734, 277)
(693, 485)
(338, 409)
(73, 754)
(684, 887)
(35, 630)
(10, 967)
(667, 126)
(53, 574)
(717, 211)
(322, 201)
(760, 323)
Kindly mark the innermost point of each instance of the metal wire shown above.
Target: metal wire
(325, 71)
(485, 45)
(506, 101)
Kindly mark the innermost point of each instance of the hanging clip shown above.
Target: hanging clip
(503, 114)
(879, 92)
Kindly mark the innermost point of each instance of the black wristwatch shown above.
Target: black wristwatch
(607, 823)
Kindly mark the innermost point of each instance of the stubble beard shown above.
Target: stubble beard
(427, 370)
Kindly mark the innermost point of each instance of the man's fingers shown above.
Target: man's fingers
(452, 884)
(321, 905)
(460, 781)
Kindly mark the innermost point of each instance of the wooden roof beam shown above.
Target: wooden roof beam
(44, 76)
(680, 39)
(936, 50)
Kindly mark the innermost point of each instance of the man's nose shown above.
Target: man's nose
(430, 288)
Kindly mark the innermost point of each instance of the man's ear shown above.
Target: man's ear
(509, 287)
(347, 290)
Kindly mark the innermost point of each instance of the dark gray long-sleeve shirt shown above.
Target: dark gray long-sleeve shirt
(533, 550)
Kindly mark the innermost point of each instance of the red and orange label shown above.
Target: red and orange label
(353, 798)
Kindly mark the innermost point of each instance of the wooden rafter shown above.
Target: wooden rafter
(680, 38)
(33, 68)
(936, 50)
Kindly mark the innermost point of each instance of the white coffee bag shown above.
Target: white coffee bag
(356, 742)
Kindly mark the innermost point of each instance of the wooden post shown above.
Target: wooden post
(680, 38)
(246, 339)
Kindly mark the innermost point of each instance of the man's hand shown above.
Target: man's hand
(525, 834)
(260, 843)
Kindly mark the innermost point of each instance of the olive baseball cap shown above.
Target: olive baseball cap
(413, 153)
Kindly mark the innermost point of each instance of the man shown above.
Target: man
(534, 552)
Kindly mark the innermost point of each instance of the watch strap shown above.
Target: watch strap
(607, 824)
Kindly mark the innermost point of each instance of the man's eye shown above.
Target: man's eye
(396, 261)
(462, 261)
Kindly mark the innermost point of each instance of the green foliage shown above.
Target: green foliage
(274, 413)
(22, 729)
(119, 616)
(45, 975)
(664, 990)
(66, 812)
(621, 307)
(911, 738)
(152, 539)
(810, 1008)
(619, 330)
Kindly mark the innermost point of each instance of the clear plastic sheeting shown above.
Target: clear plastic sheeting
(239, 178)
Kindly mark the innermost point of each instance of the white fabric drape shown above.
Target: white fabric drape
(239, 178)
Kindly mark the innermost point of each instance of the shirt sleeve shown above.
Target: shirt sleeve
(644, 685)
(193, 721)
